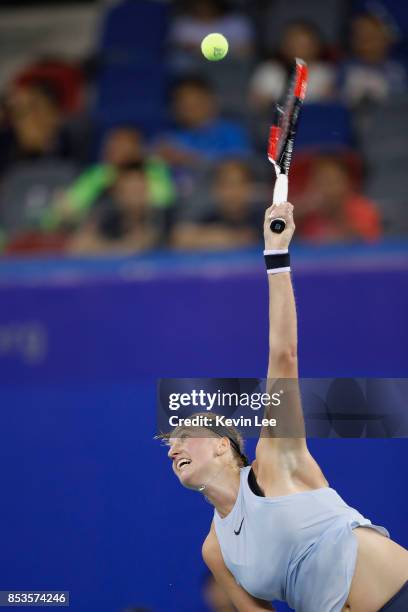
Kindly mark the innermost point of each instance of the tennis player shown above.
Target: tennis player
(279, 531)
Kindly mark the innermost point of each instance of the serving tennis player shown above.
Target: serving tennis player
(279, 531)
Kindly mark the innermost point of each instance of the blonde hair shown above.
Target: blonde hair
(235, 438)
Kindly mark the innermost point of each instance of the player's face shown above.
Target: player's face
(192, 458)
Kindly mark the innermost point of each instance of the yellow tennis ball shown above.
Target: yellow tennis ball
(214, 47)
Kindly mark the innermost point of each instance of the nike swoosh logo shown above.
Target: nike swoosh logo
(239, 530)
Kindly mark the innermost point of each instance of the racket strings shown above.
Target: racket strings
(279, 131)
(283, 129)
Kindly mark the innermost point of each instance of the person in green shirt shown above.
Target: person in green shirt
(123, 145)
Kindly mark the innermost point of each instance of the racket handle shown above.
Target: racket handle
(280, 195)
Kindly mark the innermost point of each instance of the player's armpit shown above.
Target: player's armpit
(282, 455)
(243, 601)
(287, 432)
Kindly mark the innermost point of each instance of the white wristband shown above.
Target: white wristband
(278, 270)
(276, 252)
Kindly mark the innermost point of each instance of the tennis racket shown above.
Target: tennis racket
(282, 135)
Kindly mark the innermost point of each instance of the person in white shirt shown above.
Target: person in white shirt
(299, 39)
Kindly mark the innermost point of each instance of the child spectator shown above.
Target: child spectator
(123, 145)
(123, 220)
(299, 39)
(371, 74)
(331, 210)
(232, 218)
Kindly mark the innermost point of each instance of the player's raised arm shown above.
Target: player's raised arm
(282, 310)
(282, 362)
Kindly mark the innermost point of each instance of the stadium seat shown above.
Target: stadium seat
(382, 129)
(27, 192)
(387, 184)
(131, 85)
(230, 79)
(382, 132)
(138, 27)
(324, 125)
(131, 93)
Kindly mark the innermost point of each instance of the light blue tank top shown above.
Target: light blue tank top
(296, 548)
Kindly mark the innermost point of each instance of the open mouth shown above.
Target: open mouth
(182, 463)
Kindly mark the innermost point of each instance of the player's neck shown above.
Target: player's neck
(222, 491)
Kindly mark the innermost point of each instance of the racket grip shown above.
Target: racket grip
(280, 195)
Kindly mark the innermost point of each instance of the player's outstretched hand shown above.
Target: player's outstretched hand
(279, 241)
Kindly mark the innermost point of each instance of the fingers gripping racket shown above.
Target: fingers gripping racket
(282, 135)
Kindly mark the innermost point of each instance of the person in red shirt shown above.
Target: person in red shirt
(331, 209)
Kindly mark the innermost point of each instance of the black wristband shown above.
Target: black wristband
(277, 261)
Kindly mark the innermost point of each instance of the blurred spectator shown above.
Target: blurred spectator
(214, 596)
(331, 209)
(328, 15)
(35, 121)
(123, 220)
(197, 18)
(122, 145)
(66, 78)
(299, 39)
(200, 135)
(371, 73)
(232, 218)
(36, 128)
(39, 156)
